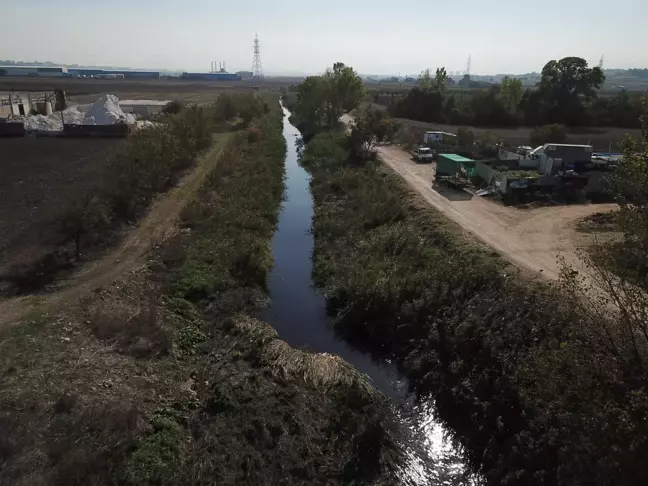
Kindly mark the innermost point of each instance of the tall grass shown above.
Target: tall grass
(271, 414)
(490, 349)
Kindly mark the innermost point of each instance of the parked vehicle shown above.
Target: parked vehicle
(424, 154)
(445, 138)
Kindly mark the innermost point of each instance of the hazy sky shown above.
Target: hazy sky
(374, 36)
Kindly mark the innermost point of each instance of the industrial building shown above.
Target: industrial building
(142, 107)
(216, 76)
(113, 74)
(34, 71)
(245, 75)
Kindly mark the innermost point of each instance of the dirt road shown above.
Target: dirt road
(151, 231)
(531, 239)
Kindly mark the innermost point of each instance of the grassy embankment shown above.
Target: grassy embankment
(528, 391)
(165, 378)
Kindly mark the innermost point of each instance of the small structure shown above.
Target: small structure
(454, 164)
(440, 137)
(142, 107)
(23, 104)
(245, 75)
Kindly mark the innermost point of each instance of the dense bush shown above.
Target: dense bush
(269, 406)
(150, 162)
(241, 108)
(515, 370)
(548, 133)
(173, 107)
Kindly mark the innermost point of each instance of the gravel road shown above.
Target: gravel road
(531, 239)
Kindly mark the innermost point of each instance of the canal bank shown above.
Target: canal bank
(299, 314)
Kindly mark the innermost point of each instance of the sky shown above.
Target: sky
(306, 36)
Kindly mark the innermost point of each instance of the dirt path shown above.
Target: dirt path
(531, 239)
(151, 231)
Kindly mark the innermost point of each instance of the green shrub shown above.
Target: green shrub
(173, 107)
(157, 458)
(548, 134)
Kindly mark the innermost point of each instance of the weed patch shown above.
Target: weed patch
(404, 283)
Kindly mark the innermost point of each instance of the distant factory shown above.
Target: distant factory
(217, 73)
(112, 74)
(64, 72)
(34, 71)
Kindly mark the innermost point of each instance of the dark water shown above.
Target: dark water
(298, 313)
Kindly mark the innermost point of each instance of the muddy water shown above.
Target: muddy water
(298, 313)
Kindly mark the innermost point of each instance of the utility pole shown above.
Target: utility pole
(257, 68)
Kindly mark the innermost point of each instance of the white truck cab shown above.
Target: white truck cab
(424, 154)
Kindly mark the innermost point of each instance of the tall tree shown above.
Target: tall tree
(510, 93)
(425, 81)
(345, 90)
(321, 100)
(565, 84)
(310, 107)
(441, 80)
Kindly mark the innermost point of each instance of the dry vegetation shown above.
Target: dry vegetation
(36, 178)
(538, 388)
(164, 378)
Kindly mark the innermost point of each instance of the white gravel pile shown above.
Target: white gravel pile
(104, 111)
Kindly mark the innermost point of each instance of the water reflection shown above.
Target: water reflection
(298, 313)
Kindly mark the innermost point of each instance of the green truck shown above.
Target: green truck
(454, 170)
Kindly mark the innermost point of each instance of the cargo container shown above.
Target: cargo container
(454, 164)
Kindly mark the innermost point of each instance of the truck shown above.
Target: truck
(423, 154)
(444, 138)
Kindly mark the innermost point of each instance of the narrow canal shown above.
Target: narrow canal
(298, 313)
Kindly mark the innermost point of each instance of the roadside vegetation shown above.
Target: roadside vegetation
(166, 377)
(539, 386)
(148, 163)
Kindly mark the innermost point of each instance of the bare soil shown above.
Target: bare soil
(87, 90)
(152, 230)
(37, 177)
(531, 239)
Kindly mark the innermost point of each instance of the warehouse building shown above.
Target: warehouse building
(113, 74)
(34, 71)
(216, 76)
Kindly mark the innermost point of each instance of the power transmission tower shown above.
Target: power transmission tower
(257, 69)
(601, 63)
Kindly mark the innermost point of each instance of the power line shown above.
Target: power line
(257, 68)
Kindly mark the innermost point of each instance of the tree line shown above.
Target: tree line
(568, 93)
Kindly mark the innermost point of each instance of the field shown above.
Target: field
(37, 176)
(86, 90)
(602, 138)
